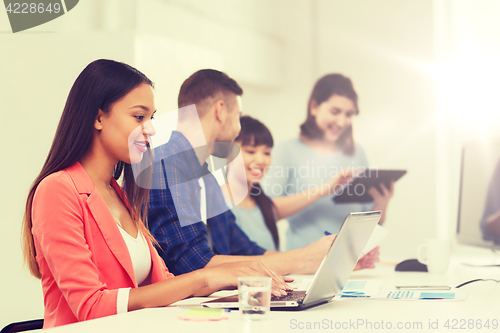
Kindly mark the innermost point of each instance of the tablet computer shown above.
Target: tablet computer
(357, 190)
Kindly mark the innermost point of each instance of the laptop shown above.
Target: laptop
(333, 272)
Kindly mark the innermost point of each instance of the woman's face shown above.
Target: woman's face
(333, 116)
(125, 130)
(256, 159)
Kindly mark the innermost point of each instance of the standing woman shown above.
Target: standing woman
(83, 235)
(324, 148)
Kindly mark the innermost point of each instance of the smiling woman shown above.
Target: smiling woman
(83, 236)
(126, 128)
(306, 165)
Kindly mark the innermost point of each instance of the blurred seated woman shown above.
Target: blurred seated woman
(256, 214)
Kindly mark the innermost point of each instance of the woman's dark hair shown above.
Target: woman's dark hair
(326, 87)
(99, 85)
(254, 133)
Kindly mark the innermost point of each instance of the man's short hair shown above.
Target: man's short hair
(205, 84)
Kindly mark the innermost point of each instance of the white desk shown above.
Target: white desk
(482, 304)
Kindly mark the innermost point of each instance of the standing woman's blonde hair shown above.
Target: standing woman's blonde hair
(99, 85)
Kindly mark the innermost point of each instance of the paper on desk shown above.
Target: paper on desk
(370, 287)
(359, 288)
(203, 315)
(411, 295)
(407, 295)
(378, 234)
(193, 301)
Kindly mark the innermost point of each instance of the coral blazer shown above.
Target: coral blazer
(81, 254)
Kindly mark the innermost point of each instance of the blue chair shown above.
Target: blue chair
(23, 326)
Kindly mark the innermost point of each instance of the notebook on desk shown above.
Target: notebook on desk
(333, 272)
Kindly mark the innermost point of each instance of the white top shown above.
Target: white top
(203, 200)
(139, 253)
(141, 262)
(252, 222)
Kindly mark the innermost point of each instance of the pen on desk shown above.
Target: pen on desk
(327, 233)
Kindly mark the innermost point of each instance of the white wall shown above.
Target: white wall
(385, 46)
(37, 73)
(471, 80)
(276, 50)
(259, 43)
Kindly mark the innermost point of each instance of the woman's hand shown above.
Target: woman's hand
(335, 184)
(292, 204)
(369, 259)
(382, 199)
(226, 275)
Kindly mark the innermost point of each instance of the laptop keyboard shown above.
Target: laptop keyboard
(294, 295)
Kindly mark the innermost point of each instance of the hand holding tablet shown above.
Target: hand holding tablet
(358, 190)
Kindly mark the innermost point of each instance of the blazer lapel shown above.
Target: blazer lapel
(103, 218)
(110, 232)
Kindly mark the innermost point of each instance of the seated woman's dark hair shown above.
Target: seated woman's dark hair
(99, 85)
(254, 133)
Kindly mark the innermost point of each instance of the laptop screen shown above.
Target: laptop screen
(340, 261)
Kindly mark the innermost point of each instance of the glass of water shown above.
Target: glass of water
(254, 294)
